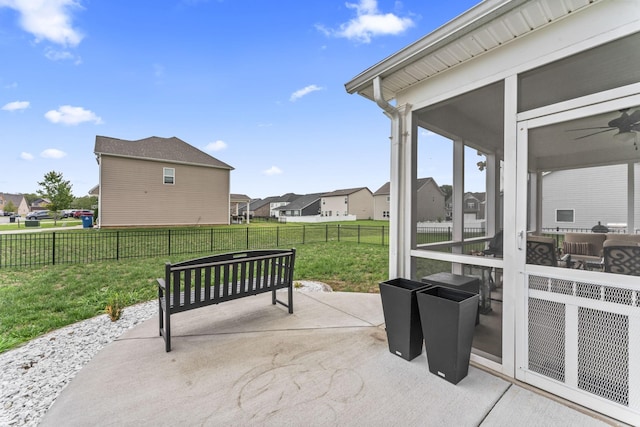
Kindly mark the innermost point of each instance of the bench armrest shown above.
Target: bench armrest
(161, 284)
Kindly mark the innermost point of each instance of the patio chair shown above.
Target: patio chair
(621, 257)
(541, 250)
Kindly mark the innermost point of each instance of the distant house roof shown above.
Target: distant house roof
(171, 149)
(302, 202)
(345, 192)
(386, 188)
(239, 198)
(16, 199)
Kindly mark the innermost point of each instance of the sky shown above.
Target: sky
(256, 84)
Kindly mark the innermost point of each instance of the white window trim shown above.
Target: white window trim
(169, 173)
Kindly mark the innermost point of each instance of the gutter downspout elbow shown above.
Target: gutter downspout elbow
(377, 96)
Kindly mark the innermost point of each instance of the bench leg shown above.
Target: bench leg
(167, 331)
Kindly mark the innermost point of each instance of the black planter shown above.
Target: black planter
(448, 321)
(401, 316)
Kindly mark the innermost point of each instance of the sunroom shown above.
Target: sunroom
(510, 96)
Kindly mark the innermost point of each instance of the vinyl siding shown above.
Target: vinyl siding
(595, 194)
(133, 194)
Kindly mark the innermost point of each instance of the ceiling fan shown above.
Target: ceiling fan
(627, 126)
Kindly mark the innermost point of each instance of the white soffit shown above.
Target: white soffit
(487, 26)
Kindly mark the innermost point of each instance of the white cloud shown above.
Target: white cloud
(304, 91)
(11, 85)
(47, 19)
(216, 146)
(53, 153)
(369, 22)
(69, 115)
(61, 55)
(16, 105)
(26, 156)
(273, 170)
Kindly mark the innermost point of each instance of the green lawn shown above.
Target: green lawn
(36, 301)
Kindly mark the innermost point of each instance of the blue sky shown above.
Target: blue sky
(257, 84)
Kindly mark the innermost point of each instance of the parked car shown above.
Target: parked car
(5, 213)
(39, 215)
(68, 213)
(82, 212)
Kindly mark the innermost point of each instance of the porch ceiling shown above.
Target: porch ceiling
(487, 26)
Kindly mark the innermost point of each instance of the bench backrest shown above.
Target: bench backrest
(218, 278)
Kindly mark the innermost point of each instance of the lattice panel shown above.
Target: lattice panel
(547, 338)
(593, 291)
(603, 354)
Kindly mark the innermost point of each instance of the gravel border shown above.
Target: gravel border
(33, 375)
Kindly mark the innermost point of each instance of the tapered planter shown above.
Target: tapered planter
(448, 318)
(401, 316)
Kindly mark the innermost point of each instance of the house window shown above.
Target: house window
(388, 198)
(564, 215)
(346, 200)
(471, 204)
(169, 175)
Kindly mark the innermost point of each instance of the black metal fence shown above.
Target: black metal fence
(68, 247)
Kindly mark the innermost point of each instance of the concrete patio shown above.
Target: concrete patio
(247, 362)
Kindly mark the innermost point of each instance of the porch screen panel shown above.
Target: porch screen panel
(547, 338)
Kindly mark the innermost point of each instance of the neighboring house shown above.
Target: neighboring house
(261, 208)
(350, 201)
(17, 200)
(567, 197)
(474, 204)
(160, 182)
(277, 203)
(39, 204)
(307, 205)
(431, 203)
(236, 201)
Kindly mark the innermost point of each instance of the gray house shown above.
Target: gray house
(307, 205)
(350, 201)
(430, 205)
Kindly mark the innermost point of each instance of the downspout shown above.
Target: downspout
(396, 225)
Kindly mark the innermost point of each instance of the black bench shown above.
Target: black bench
(214, 279)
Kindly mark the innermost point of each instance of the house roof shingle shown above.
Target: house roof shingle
(301, 202)
(386, 188)
(156, 148)
(345, 192)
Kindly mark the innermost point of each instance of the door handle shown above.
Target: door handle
(520, 239)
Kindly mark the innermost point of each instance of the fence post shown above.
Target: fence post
(169, 241)
(383, 235)
(326, 233)
(277, 236)
(118, 245)
(304, 233)
(247, 238)
(211, 240)
(358, 233)
(449, 234)
(338, 232)
(53, 247)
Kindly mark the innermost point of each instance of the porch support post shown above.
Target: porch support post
(247, 211)
(491, 212)
(631, 200)
(458, 201)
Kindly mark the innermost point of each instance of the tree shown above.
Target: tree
(57, 190)
(447, 190)
(10, 207)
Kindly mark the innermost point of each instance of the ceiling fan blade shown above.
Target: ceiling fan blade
(599, 127)
(595, 133)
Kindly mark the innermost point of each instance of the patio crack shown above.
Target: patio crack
(494, 405)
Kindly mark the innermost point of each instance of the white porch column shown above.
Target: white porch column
(457, 198)
(492, 215)
(631, 199)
